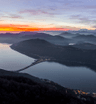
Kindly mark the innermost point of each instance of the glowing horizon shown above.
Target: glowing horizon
(49, 15)
(21, 28)
(25, 28)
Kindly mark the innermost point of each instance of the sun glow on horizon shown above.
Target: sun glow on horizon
(19, 28)
(15, 28)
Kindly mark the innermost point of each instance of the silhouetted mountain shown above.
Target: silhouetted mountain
(57, 40)
(65, 33)
(18, 88)
(87, 46)
(67, 55)
(53, 32)
(85, 37)
(53, 39)
(59, 37)
(27, 33)
(36, 42)
(8, 34)
(17, 37)
(17, 34)
(14, 37)
(83, 30)
(36, 35)
(68, 34)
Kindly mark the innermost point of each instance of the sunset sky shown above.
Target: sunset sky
(36, 15)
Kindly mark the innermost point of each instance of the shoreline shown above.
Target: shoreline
(74, 92)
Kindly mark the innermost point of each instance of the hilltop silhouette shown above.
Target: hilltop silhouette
(67, 55)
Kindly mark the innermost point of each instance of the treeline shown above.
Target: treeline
(14, 90)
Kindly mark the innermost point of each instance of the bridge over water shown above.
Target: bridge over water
(34, 63)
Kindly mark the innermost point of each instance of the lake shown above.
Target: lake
(71, 77)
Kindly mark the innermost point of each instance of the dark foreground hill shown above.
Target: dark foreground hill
(67, 55)
(17, 88)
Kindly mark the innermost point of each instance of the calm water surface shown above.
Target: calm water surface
(12, 60)
(71, 77)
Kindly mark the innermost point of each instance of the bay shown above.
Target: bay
(71, 77)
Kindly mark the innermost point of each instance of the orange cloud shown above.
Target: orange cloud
(19, 28)
(54, 29)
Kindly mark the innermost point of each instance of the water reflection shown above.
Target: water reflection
(71, 77)
(12, 60)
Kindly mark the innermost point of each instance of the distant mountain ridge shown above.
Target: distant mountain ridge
(87, 46)
(68, 34)
(52, 39)
(17, 37)
(63, 39)
(85, 36)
